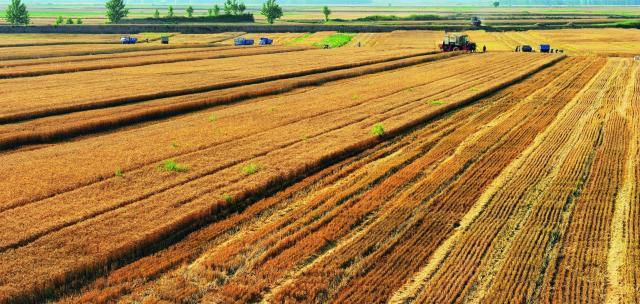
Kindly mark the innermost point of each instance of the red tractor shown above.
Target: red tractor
(457, 43)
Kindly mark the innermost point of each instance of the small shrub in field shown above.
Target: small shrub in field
(474, 89)
(119, 172)
(378, 130)
(213, 118)
(437, 102)
(227, 198)
(175, 145)
(251, 169)
(172, 166)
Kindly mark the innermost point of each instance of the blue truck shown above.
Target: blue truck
(545, 48)
(243, 41)
(266, 41)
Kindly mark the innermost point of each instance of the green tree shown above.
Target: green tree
(271, 10)
(326, 12)
(228, 7)
(69, 21)
(156, 14)
(241, 8)
(116, 10)
(59, 20)
(190, 11)
(170, 12)
(79, 21)
(216, 10)
(496, 3)
(210, 12)
(17, 13)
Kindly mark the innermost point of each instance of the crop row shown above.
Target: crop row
(132, 223)
(582, 273)
(487, 255)
(79, 123)
(59, 94)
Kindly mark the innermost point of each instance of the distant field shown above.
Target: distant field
(46, 14)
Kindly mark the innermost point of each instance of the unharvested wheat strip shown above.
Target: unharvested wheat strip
(108, 63)
(417, 283)
(89, 90)
(616, 257)
(186, 203)
(436, 289)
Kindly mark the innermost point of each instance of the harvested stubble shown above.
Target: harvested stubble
(279, 236)
(84, 122)
(58, 66)
(58, 94)
(126, 220)
(522, 186)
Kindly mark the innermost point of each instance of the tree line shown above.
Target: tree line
(17, 13)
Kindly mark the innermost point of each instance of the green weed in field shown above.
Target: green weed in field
(378, 130)
(251, 169)
(172, 166)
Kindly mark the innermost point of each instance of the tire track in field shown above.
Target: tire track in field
(215, 170)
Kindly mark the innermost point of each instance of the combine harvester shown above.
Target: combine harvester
(452, 43)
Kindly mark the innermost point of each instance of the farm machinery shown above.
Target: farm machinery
(244, 41)
(128, 40)
(476, 22)
(457, 43)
